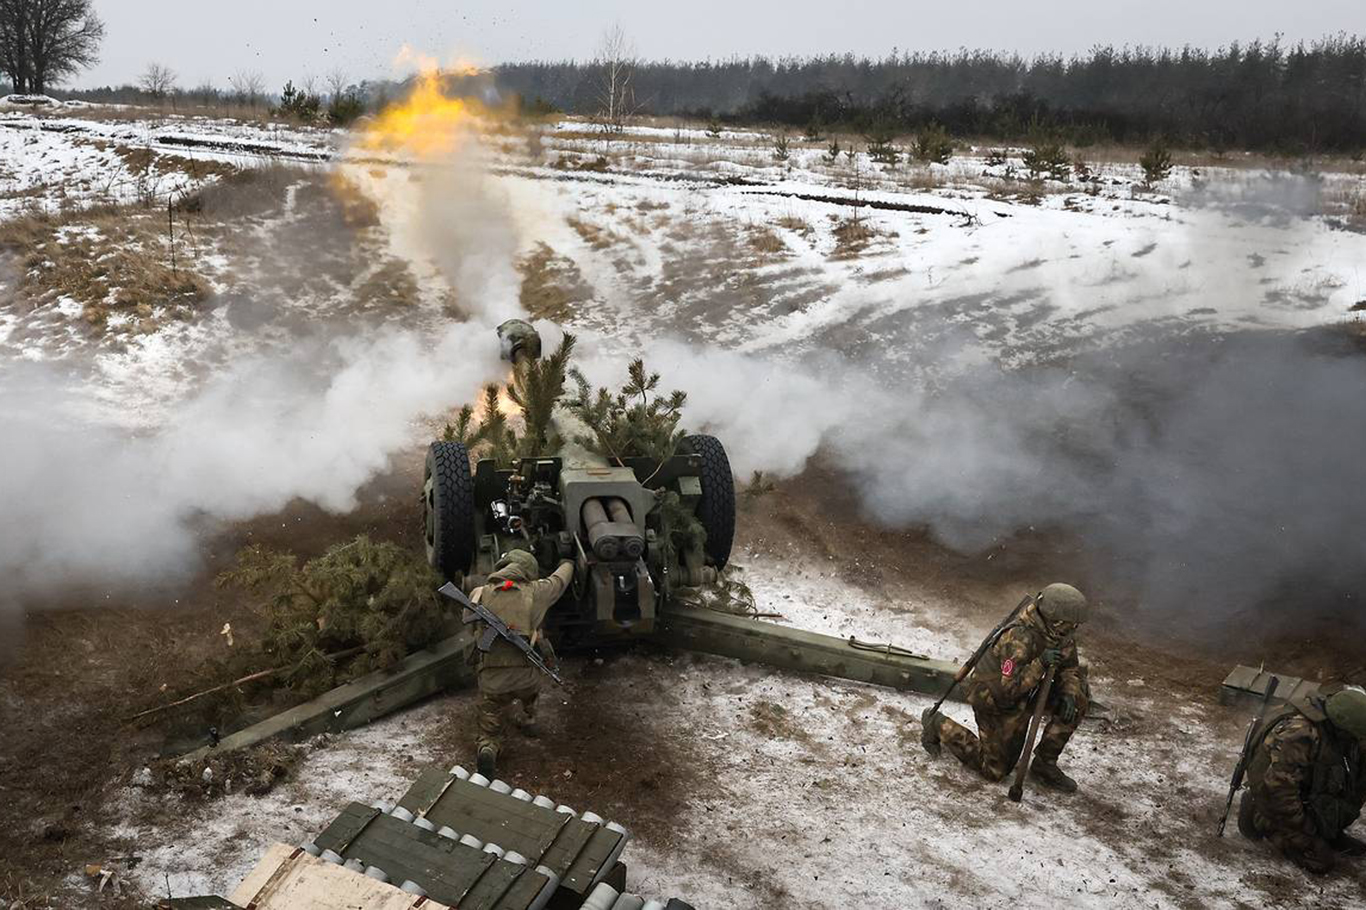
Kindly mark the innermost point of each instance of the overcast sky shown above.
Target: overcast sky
(211, 39)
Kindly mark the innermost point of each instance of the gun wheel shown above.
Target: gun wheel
(716, 508)
(448, 509)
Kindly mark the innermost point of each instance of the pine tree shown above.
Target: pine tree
(536, 388)
(375, 598)
(635, 422)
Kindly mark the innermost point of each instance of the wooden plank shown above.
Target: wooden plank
(442, 666)
(594, 859)
(491, 888)
(742, 638)
(446, 870)
(523, 891)
(288, 879)
(497, 818)
(346, 826)
(424, 791)
(560, 858)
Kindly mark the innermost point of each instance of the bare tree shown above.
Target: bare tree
(336, 84)
(616, 64)
(248, 85)
(207, 94)
(42, 41)
(157, 80)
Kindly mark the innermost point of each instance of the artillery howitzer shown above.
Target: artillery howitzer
(605, 514)
(630, 570)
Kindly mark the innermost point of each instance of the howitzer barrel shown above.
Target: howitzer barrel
(618, 511)
(612, 535)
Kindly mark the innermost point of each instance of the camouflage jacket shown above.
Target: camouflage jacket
(1307, 781)
(1006, 677)
(522, 604)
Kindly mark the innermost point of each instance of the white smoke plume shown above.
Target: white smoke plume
(1208, 475)
(88, 505)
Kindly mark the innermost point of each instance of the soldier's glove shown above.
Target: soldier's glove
(1051, 656)
(1067, 709)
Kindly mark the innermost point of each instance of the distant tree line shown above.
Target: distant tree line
(337, 101)
(1262, 95)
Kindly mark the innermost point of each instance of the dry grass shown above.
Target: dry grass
(390, 285)
(551, 285)
(765, 242)
(569, 161)
(853, 236)
(599, 238)
(919, 178)
(793, 223)
(108, 261)
(147, 162)
(1347, 203)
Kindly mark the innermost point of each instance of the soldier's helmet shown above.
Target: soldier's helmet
(517, 563)
(1346, 708)
(1064, 603)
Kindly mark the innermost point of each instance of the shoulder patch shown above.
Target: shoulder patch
(1008, 668)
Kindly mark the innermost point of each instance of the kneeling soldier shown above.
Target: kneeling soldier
(516, 595)
(1307, 779)
(1001, 690)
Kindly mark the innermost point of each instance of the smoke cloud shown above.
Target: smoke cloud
(88, 504)
(1210, 473)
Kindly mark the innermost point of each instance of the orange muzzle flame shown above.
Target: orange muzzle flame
(427, 124)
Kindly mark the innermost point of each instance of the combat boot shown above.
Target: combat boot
(1348, 845)
(488, 758)
(1047, 772)
(930, 721)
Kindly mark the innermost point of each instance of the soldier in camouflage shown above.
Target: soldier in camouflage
(1001, 690)
(515, 593)
(1307, 779)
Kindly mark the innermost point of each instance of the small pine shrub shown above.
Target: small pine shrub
(832, 153)
(374, 602)
(345, 108)
(536, 388)
(932, 145)
(1156, 163)
(299, 104)
(815, 130)
(637, 421)
(780, 147)
(880, 137)
(1048, 158)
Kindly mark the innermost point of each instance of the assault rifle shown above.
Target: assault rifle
(986, 644)
(1249, 743)
(496, 628)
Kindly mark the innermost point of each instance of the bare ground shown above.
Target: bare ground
(67, 757)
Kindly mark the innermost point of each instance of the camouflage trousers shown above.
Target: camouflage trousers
(498, 691)
(995, 749)
(1296, 845)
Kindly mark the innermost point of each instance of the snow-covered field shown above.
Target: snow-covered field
(811, 794)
